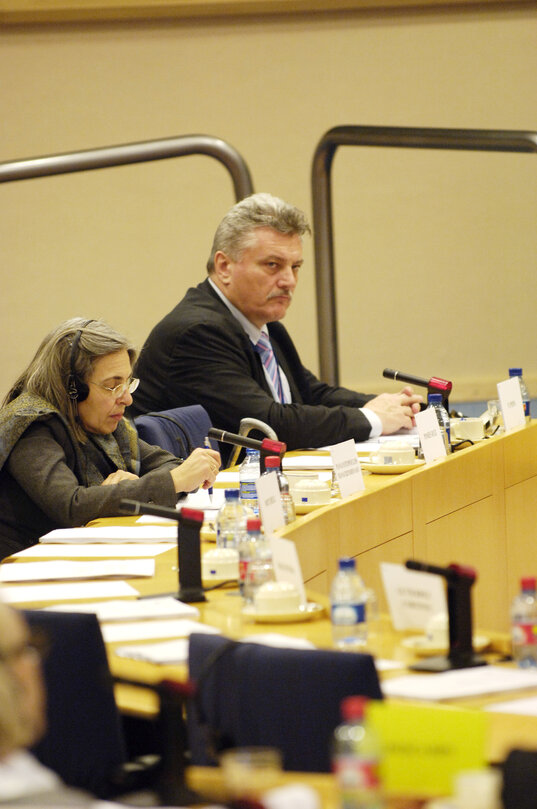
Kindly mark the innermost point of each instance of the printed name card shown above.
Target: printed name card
(413, 597)
(430, 433)
(270, 502)
(425, 747)
(287, 564)
(511, 404)
(347, 468)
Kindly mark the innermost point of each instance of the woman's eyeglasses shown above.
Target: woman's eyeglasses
(120, 390)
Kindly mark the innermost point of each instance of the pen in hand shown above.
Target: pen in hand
(207, 443)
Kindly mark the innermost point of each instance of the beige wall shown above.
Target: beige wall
(436, 252)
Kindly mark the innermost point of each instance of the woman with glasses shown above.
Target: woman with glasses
(67, 454)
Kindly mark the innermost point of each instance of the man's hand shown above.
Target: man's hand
(396, 410)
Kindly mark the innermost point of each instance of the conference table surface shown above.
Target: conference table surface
(223, 611)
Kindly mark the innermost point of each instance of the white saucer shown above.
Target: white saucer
(391, 468)
(423, 647)
(305, 613)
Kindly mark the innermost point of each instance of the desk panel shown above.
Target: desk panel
(477, 507)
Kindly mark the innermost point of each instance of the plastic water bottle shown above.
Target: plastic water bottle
(260, 567)
(523, 390)
(249, 472)
(434, 400)
(356, 757)
(247, 553)
(524, 624)
(273, 463)
(231, 521)
(348, 607)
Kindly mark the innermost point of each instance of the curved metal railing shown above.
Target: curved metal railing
(127, 153)
(483, 140)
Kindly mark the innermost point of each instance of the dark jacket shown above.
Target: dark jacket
(44, 480)
(200, 354)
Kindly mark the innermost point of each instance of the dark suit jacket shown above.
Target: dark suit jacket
(200, 354)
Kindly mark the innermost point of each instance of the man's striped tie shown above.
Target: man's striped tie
(264, 348)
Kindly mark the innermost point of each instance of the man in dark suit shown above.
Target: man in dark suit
(214, 348)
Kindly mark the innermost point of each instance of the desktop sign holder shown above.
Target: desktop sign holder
(189, 522)
(461, 651)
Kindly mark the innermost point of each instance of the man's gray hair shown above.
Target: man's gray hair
(236, 230)
(48, 373)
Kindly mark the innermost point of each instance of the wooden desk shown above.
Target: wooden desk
(477, 507)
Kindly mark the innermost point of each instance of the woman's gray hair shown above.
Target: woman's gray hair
(49, 372)
(236, 230)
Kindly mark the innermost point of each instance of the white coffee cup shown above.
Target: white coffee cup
(220, 563)
(468, 429)
(437, 630)
(295, 477)
(277, 596)
(393, 452)
(311, 492)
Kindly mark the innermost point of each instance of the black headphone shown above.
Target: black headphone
(77, 389)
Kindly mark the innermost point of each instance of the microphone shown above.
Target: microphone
(267, 446)
(435, 383)
(450, 572)
(459, 580)
(189, 522)
(135, 507)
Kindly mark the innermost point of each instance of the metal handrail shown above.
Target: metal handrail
(127, 153)
(483, 140)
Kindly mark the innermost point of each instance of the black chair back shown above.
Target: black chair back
(250, 694)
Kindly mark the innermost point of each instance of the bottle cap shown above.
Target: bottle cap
(528, 583)
(272, 462)
(347, 563)
(434, 398)
(231, 494)
(353, 707)
(253, 524)
(515, 371)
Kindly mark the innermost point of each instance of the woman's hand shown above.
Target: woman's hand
(118, 476)
(198, 470)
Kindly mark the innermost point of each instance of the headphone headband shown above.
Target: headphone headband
(77, 390)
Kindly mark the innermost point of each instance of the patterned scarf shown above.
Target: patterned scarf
(96, 459)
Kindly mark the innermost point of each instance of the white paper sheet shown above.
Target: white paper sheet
(460, 683)
(149, 630)
(526, 707)
(110, 551)
(158, 607)
(66, 592)
(43, 571)
(114, 533)
(154, 630)
(170, 652)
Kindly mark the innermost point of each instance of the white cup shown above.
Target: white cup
(296, 477)
(219, 564)
(311, 492)
(468, 429)
(393, 452)
(277, 596)
(437, 630)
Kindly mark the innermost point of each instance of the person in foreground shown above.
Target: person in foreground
(23, 780)
(67, 454)
(212, 348)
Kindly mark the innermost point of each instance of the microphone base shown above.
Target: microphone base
(443, 663)
(190, 595)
